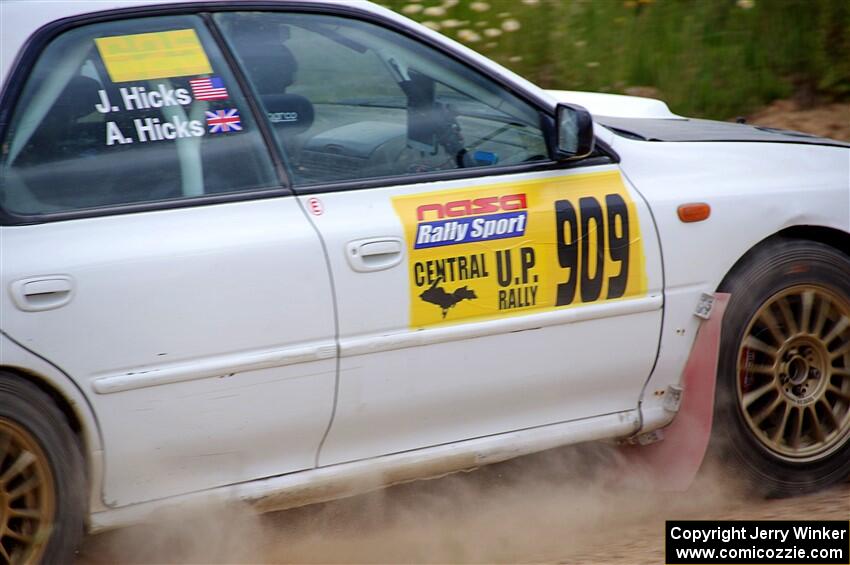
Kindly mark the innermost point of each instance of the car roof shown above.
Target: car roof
(19, 19)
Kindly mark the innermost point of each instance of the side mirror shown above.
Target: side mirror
(575, 132)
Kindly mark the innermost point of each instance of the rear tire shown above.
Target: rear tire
(42, 490)
(782, 407)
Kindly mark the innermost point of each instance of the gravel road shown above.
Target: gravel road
(554, 507)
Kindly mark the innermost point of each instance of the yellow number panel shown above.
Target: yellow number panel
(514, 248)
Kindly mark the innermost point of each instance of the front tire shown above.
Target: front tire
(42, 491)
(782, 410)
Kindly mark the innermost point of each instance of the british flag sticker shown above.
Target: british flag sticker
(223, 121)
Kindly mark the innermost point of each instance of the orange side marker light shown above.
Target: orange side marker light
(694, 212)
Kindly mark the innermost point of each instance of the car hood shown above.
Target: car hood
(684, 129)
(615, 105)
(646, 119)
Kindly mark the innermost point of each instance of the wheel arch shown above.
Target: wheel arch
(833, 237)
(71, 401)
(794, 257)
(42, 383)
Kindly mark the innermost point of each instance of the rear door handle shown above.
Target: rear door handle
(42, 293)
(374, 254)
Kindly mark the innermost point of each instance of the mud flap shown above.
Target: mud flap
(672, 464)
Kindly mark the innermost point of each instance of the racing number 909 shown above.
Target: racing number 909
(582, 236)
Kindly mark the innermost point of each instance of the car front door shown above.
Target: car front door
(480, 287)
(150, 253)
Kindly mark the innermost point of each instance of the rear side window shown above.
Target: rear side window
(127, 112)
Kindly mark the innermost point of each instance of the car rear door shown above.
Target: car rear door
(149, 252)
(480, 288)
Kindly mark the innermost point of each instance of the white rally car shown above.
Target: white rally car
(286, 251)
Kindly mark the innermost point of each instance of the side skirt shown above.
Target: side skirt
(348, 479)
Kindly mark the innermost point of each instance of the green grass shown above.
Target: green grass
(710, 58)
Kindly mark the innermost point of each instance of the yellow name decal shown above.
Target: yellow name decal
(145, 56)
(516, 248)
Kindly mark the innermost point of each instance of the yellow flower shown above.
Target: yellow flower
(479, 6)
(412, 9)
(433, 25)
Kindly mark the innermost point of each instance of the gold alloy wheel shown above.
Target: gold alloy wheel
(794, 373)
(27, 496)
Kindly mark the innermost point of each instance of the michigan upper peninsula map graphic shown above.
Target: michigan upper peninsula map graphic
(438, 296)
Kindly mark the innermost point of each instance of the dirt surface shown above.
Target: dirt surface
(555, 507)
(828, 120)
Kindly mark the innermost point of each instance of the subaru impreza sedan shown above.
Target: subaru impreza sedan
(287, 251)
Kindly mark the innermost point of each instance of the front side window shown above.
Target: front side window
(349, 100)
(128, 112)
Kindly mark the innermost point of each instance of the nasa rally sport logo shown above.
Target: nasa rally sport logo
(471, 220)
(466, 221)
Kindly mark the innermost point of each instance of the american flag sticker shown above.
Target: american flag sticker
(208, 88)
(223, 121)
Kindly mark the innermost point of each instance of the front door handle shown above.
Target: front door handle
(374, 254)
(42, 293)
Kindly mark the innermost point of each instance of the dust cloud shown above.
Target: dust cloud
(569, 505)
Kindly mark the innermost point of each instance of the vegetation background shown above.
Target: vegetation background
(707, 58)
